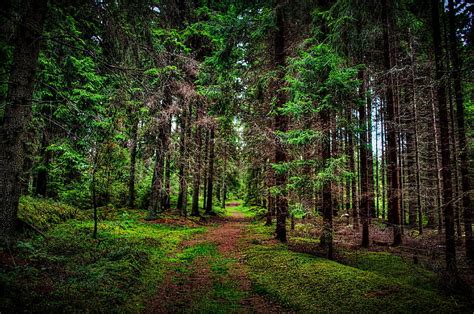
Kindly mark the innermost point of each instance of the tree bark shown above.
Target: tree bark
(364, 180)
(210, 174)
(133, 162)
(444, 135)
(461, 132)
(182, 197)
(281, 121)
(17, 115)
(197, 168)
(393, 188)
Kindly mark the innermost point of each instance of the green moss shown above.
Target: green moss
(45, 213)
(393, 267)
(69, 271)
(308, 283)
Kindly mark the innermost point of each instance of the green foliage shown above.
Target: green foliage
(299, 137)
(319, 80)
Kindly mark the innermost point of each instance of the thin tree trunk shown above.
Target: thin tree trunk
(210, 174)
(370, 157)
(133, 161)
(197, 172)
(416, 138)
(224, 179)
(439, 201)
(354, 198)
(205, 170)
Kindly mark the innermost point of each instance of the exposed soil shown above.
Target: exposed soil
(180, 290)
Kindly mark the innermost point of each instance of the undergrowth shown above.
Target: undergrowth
(68, 271)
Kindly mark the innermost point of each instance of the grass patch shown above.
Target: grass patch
(222, 295)
(225, 294)
(307, 283)
(69, 271)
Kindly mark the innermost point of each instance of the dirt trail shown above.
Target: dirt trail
(180, 290)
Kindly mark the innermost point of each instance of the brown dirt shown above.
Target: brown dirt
(179, 290)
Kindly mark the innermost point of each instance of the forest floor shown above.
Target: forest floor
(214, 279)
(228, 263)
(238, 266)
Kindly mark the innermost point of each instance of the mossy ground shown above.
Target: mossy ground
(129, 262)
(373, 282)
(223, 294)
(70, 271)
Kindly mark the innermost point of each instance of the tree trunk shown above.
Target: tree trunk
(210, 174)
(182, 197)
(17, 115)
(205, 169)
(197, 172)
(281, 122)
(393, 188)
(370, 158)
(444, 135)
(364, 202)
(326, 238)
(133, 161)
(224, 179)
(354, 198)
(461, 132)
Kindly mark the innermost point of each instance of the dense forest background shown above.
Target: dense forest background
(353, 117)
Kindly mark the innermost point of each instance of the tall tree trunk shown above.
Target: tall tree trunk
(383, 167)
(224, 179)
(370, 157)
(182, 197)
(393, 188)
(133, 162)
(210, 174)
(354, 198)
(444, 134)
(17, 115)
(157, 183)
(281, 121)
(326, 238)
(205, 168)
(454, 148)
(461, 132)
(197, 170)
(167, 182)
(364, 202)
(416, 138)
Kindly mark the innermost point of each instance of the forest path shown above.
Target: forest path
(208, 274)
